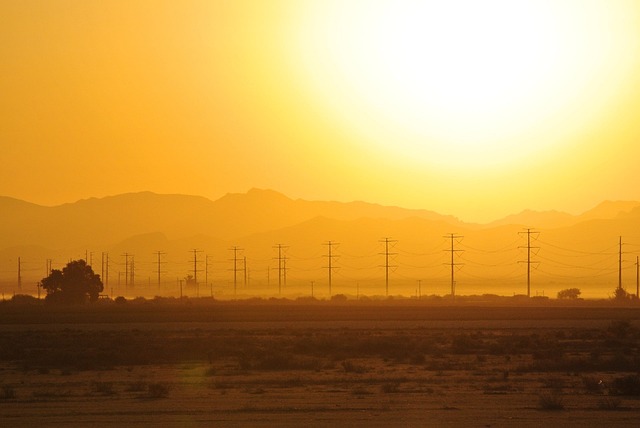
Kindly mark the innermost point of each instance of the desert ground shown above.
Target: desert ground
(291, 364)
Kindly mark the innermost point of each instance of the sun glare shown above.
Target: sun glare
(471, 83)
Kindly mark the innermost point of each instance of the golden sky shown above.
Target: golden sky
(476, 109)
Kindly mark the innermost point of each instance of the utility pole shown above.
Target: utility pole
(126, 271)
(133, 272)
(284, 270)
(386, 266)
(419, 289)
(159, 264)
(102, 265)
(638, 277)
(49, 261)
(281, 266)
(206, 271)
(330, 258)
(620, 264)
(235, 268)
(528, 232)
(244, 265)
(106, 271)
(453, 264)
(19, 274)
(195, 269)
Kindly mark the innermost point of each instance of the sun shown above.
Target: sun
(473, 83)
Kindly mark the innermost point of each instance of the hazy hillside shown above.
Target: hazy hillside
(106, 221)
(569, 250)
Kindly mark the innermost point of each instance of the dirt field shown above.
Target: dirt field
(320, 365)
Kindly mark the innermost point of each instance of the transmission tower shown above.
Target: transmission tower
(196, 270)
(637, 277)
(159, 264)
(106, 270)
(282, 266)
(386, 265)
(19, 274)
(529, 262)
(453, 264)
(206, 272)
(126, 270)
(330, 258)
(133, 272)
(235, 268)
(620, 264)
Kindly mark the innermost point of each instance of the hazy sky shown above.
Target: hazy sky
(476, 109)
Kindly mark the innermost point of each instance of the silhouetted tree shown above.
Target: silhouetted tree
(569, 293)
(621, 295)
(75, 283)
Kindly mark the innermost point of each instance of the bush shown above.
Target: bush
(8, 393)
(626, 385)
(104, 388)
(569, 293)
(351, 367)
(551, 402)
(609, 403)
(157, 390)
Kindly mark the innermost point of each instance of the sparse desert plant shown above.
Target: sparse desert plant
(626, 385)
(351, 367)
(592, 384)
(157, 390)
(620, 328)
(390, 387)
(136, 386)
(104, 388)
(548, 401)
(360, 391)
(609, 403)
(8, 392)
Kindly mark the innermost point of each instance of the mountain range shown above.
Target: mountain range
(146, 223)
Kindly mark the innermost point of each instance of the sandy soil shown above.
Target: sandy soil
(491, 372)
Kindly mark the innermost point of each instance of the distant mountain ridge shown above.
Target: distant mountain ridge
(112, 219)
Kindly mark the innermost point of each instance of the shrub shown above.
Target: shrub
(569, 293)
(551, 402)
(592, 384)
(104, 388)
(390, 387)
(351, 367)
(8, 393)
(157, 390)
(609, 403)
(626, 385)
